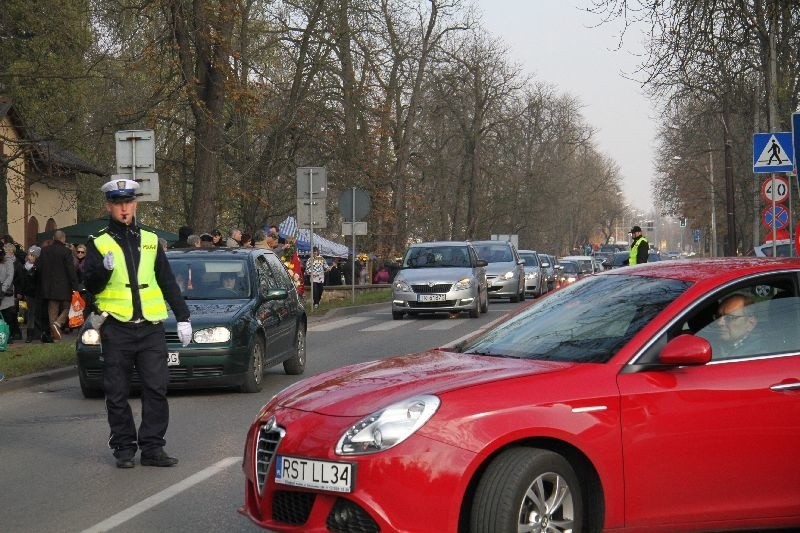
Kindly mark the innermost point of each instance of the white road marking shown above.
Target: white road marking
(388, 325)
(161, 497)
(446, 323)
(336, 324)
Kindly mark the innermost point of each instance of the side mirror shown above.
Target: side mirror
(481, 263)
(521, 262)
(545, 264)
(686, 350)
(272, 295)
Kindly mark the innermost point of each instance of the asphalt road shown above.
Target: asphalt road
(57, 475)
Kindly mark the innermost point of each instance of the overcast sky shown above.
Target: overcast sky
(558, 43)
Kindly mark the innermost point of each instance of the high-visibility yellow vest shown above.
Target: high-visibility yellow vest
(634, 254)
(117, 297)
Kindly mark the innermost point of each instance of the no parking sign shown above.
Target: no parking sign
(780, 219)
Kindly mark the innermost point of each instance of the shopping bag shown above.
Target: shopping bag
(75, 319)
(4, 333)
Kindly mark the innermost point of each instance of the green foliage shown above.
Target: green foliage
(21, 359)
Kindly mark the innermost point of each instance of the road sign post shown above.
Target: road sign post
(136, 160)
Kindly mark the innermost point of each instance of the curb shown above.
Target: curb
(40, 378)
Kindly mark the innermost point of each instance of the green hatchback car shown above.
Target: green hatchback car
(246, 316)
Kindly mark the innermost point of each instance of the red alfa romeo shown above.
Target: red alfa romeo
(660, 397)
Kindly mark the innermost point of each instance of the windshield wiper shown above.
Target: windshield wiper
(490, 354)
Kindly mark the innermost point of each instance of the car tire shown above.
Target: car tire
(502, 501)
(88, 391)
(397, 315)
(514, 299)
(484, 303)
(296, 364)
(254, 377)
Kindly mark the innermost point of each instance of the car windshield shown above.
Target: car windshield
(531, 260)
(569, 267)
(584, 322)
(494, 253)
(436, 257)
(211, 278)
(620, 259)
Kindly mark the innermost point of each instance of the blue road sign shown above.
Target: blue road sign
(795, 134)
(781, 218)
(773, 152)
(696, 235)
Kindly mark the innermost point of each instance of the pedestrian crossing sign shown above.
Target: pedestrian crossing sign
(773, 152)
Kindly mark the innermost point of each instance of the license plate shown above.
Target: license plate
(430, 297)
(313, 474)
(173, 359)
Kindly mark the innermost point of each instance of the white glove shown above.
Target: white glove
(184, 333)
(108, 260)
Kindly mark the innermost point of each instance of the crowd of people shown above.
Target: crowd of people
(37, 285)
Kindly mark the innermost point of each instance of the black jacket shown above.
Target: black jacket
(129, 239)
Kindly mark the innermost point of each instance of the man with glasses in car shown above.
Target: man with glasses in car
(736, 327)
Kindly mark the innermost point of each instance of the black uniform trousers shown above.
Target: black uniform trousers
(126, 344)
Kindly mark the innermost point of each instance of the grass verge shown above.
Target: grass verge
(362, 298)
(21, 359)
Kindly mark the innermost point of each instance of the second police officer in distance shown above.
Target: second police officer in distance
(131, 278)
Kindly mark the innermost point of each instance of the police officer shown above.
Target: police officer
(128, 273)
(640, 248)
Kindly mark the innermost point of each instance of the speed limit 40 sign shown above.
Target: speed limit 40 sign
(775, 189)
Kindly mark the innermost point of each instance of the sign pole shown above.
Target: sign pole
(311, 228)
(774, 221)
(353, 241)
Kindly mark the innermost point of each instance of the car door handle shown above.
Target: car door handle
(781, 387)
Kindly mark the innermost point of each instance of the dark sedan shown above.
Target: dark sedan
(246, 317)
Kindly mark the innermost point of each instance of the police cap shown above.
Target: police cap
(120, 190)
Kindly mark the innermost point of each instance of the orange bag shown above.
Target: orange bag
(76, 311)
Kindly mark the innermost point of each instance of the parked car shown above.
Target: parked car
(782, 246)
(505, 272)
(584, 411)
(535, 274)
(238, 332)
(444, 276)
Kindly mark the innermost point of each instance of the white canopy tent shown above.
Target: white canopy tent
(288, 228)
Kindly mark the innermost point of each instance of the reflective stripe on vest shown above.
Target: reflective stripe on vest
(117, 298)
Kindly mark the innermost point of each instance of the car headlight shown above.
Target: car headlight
(90, 337)
(208, 335)
(571, 278)
(531, 275)
(388, 427)
(461, 284)
(401, 286)
(508, 275)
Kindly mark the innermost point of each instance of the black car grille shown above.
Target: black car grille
(431, 305)
(292, 507)
(495, 289)
(172, 337)
(268, 440)
(177, 374)
(428, 289)
(349, 517)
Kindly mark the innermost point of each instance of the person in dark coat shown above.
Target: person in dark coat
(183, 235)
(57, 282)
(30, 288)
